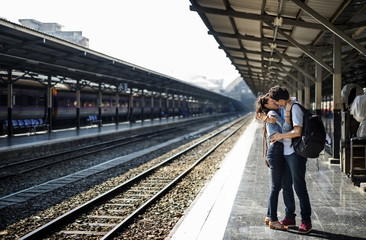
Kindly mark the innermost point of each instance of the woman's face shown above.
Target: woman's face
(271, 104)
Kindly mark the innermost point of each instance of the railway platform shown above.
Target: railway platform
(22, 142)
(234, 204)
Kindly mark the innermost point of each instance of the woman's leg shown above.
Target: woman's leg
(276, 161)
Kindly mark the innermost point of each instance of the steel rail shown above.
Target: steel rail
(149, 202)
(67, 217)
(122, 141)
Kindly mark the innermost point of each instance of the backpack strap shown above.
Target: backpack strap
(288, 111)
(289, 106)
(303, 109)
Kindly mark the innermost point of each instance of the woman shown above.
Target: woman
(273, 153)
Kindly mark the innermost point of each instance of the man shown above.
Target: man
(296, 165)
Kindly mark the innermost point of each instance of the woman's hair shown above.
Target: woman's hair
(260, 109)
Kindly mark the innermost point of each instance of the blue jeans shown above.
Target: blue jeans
(276, 164)
(295, 170)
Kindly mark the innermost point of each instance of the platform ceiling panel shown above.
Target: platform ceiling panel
(249, 27)
(277, 38)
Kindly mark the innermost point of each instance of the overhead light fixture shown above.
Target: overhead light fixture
(272, 45)
(277, 22)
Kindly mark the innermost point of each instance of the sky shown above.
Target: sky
(160, 35)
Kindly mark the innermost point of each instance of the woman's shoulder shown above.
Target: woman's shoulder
(272, 112)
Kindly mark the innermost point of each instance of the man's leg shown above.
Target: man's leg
(297, 165)
(288, 193)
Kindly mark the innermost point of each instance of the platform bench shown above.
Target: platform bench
(93, 119)
(27, 125)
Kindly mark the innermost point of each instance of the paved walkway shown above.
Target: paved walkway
(234, 204)
(26, 140)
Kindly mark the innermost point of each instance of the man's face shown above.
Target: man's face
(280, 102)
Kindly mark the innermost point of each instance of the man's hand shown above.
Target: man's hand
(272, 119)
(275, 137)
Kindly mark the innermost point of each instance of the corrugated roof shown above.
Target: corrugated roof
(27, 50)
(270, 41)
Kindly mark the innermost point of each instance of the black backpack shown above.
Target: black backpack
(312, 139)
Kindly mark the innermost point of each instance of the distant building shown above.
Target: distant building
(55, 30)
(215, 85)
(239, 90)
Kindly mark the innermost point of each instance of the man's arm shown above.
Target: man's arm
(296, 132)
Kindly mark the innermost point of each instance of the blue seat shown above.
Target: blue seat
(27, 123)
(20, 124)
(93, 119)
(34, 123)
(43, 124)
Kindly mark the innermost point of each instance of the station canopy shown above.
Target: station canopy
(271, 41)
(33, 52)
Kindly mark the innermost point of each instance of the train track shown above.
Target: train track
(33, 164)
(103, 216)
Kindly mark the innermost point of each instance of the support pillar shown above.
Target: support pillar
(100, 101)
(78, 104)
(167, 105)
(10, 104)
(49, 103)
(130, 107)
(173, 107)
(142, 105)
(337, 87)
(307, 89)
(160, 106)
(318, 84)
(152, 107)
(117, 105)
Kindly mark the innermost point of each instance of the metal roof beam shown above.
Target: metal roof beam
(60, 57)
(330, 26)
(303, 49)
(251, 67)
(355, 59)
(312, 78)
(249, 60)
(288, 73)
(263, 53)
(20, 45)
(251, 16)
(250, 38)
(289, 83)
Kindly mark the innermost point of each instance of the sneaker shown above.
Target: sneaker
(266, 220)
(289, 222)
(305, 227)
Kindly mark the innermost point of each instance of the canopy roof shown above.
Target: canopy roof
(272, 41)
(29, 51)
